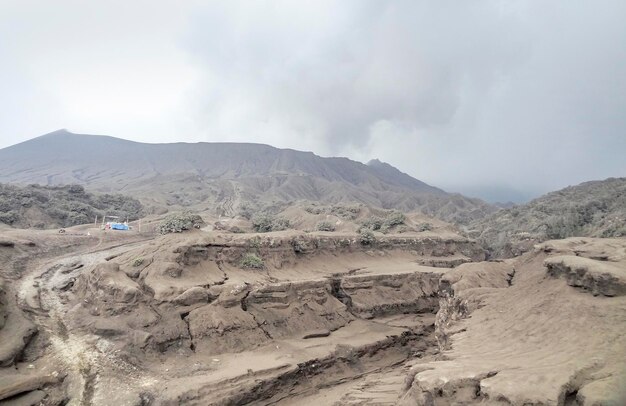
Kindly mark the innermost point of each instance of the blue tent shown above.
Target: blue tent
(119, 226)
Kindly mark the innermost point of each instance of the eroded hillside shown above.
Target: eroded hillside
(289, 317)
(554, 336)
(591, 209)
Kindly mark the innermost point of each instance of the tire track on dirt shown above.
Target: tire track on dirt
(84, 362)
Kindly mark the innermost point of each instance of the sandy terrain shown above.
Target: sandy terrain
(413, 318)
(549, 338)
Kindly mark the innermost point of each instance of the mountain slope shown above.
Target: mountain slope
(221, 175)
(36, 206)
(591, 209)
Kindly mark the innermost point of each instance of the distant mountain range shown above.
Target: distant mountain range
(222, 176)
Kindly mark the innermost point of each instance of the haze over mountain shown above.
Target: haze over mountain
(222, 175)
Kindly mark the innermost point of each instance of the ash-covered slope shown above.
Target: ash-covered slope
(542, 329)
(62, 157)
(222, 174)
(35, 206)
(591, 209)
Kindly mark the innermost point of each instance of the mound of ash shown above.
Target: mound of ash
(538, 329)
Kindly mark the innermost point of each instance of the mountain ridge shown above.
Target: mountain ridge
(188, 174)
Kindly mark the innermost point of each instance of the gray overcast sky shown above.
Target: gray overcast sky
(501, 98)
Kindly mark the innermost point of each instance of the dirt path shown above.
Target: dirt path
(85, 360)
(228, 199)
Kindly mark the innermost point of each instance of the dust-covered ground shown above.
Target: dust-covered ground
(292, 317)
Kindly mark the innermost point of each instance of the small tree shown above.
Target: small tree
(373, 223)
(264, 223)
(179, 222)
(366, 237)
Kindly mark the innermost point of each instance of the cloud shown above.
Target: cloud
(465, 95)
(92, 67)
(325, 74)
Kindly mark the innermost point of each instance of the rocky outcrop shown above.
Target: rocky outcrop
(596, 277)
(108, 283)
(216, 329)
(297, 308)
(192, 296)
(380, 295)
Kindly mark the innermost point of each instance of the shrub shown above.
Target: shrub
(424, 227)
(264, 223)
(299, 246)
(394, 218)
(314, 210)
(325, 226)
(391, 220)
(344, 243)
(373, 223)
(137, 262)
(252, 260)
(303, 245)
(366, 237)
(280, 224)
(179, 222)
(76, 189)
(9, 217)
(345, 212)
(78, 218)
(254, 242)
